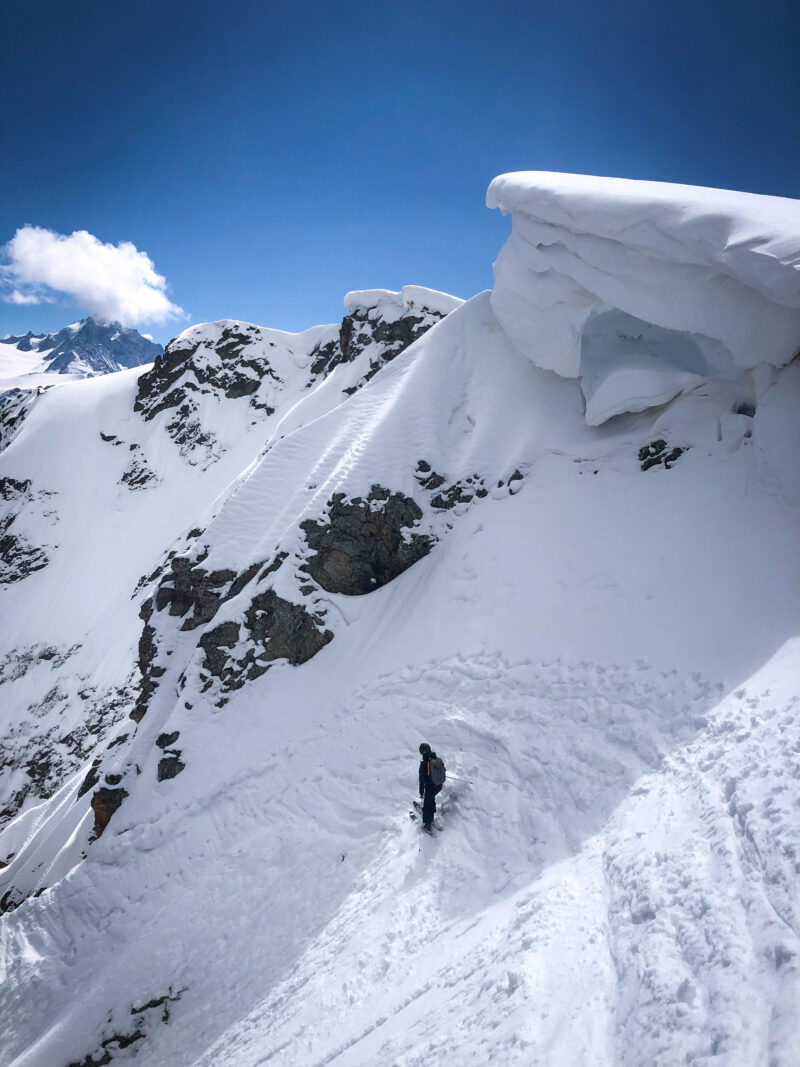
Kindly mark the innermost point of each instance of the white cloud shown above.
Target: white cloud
(16, 297)
(112, 282)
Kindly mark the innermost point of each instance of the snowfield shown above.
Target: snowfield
(552, 531)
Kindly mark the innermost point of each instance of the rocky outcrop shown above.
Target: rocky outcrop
(229, 363)
(274, 629)
(192, 591)
(121, 1041)
(48, 753)
(461, 491)
(169, 767)
(14, 407)
(364, 543)
(385, 331)
(149, 670)
(105, 802)
(658, 453)
(137, 475)
(18, 557)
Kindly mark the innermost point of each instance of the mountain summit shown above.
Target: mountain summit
(87, 348)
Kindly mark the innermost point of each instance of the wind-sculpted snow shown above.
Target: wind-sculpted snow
(424, 540)
(644, 289)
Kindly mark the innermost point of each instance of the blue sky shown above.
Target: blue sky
(271, 157)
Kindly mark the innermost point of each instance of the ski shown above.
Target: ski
(418, 811)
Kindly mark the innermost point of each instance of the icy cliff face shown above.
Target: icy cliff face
(240, 587)
(643, 290)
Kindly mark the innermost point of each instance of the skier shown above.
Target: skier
(431, 778)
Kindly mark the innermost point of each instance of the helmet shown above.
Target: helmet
(424, 750)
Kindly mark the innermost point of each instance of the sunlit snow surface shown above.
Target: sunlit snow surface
(606, 657)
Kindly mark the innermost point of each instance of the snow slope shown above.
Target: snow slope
(355, 539)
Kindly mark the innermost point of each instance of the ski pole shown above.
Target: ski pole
(452, 778)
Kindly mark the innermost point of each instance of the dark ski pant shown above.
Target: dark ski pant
(429, 803)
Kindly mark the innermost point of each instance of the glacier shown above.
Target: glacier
(551, 530)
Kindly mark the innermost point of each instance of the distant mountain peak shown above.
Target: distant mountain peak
(89, 347)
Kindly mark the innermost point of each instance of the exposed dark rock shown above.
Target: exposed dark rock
(48, 755)
(462, 491)
(19, 661)
(160, 1002)
(109, 1046)
(150, 672)
(169, 767)
(104, 803)
(91, 779)
(363, 328)
(658, 453)
(112, 1044)
(274, 629)
(427, 477)
(137, 475)
(18, 557)
(191, 368)
(11, 899)
(167, 740)
(247, 575)
(283, 630)
(191, 587)
(363, 545)
(14, 407)
(14, 487)
(148, 579)
(454, 494)
(214, 641)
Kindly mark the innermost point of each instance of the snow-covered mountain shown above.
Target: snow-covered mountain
(552, 531)
(80, 350)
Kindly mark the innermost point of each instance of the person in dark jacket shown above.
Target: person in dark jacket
(427, 790)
